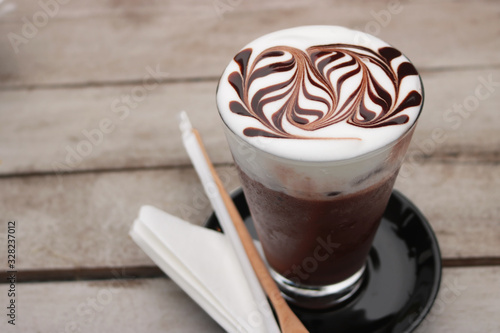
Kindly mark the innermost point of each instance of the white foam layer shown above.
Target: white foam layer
(339, 141)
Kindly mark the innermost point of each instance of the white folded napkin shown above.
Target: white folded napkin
(202, 262)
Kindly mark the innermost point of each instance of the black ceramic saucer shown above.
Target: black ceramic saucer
(404, 272)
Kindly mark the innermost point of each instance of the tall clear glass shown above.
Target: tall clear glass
(315, 218)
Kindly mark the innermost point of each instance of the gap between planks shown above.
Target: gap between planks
(165, 81)
(109, 170)
(457, 156)
(136, 272)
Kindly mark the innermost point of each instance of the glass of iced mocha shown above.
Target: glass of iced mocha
(318, 120)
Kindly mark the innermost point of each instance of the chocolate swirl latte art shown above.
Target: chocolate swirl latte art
(313, 71)
(317, 85)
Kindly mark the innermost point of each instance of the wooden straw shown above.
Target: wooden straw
(197, 156)
(288, 320)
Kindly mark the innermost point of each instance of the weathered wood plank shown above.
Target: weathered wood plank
(82, 220)
(461, 203)
(142, 305)
(85, 219)
(42, 130)
(51, 126)
(67, 10)
(111, 44)
(465, 303)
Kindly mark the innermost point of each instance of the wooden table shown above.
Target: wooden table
(89, 93)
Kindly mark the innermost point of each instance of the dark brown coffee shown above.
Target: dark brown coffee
(316, 242)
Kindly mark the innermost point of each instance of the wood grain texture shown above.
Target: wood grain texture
(112, 43)
(460, 202)
(465, 303)
(128, 306)
(82, 220)
(39, 128)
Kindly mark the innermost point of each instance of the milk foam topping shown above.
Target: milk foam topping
(319, 93)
